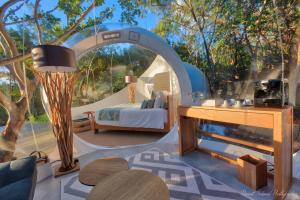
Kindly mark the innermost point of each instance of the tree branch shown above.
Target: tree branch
(6, 102)
(6, 5)
(9, 68)
(181, 24)
(13, 11)
(16, 67)
(74, 26)
(69, 31)
(35, 12)
(202, 33)
(39, 16)
(31, 86)
(207, 50)
(215, 22)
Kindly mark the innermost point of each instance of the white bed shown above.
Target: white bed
(132, 118)
(138, 118)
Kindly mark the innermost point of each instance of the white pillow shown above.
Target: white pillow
(159, 101)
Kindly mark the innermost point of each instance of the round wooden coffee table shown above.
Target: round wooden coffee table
(100, 169)
(130, 185)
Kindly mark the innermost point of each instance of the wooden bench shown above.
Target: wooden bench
(81, 125)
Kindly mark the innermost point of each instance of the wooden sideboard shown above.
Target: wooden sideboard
(278, 119)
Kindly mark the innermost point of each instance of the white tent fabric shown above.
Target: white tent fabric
(159, 65)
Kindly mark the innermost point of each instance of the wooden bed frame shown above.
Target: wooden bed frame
(167, 126)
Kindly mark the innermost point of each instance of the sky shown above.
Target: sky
(148, 21)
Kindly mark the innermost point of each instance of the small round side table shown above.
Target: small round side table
(130, 185)
(100, 169)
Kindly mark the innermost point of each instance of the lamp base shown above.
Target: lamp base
(58, 172)
(131, 93)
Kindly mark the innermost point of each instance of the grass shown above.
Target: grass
(39, 118)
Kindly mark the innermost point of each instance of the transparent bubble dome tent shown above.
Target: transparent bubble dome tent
(128, 50)
(160, 57)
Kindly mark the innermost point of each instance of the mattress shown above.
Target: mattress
(136, 117)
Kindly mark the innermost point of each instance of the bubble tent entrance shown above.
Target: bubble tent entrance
(187, 78)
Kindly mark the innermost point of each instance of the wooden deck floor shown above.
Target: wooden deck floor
(119, 138)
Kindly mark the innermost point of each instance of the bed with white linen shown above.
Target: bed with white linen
(132, 117)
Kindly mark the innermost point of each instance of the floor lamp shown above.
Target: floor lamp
(131, 80)
(56, 70)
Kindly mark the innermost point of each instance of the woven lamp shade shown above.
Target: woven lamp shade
(130, 79)
(53, 58)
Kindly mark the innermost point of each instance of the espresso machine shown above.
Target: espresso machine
(270, 93)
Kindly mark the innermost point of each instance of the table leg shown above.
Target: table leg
(187, 135)
(283, 159)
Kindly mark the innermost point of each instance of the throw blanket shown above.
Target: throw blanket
(145, 118)
(109, 114)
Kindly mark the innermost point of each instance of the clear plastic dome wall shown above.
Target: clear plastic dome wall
(122, 33)
(103, 70)
(86, 41)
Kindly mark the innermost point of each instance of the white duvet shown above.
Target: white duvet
(140, 118)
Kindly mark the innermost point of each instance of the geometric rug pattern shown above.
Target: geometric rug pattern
(184, 182)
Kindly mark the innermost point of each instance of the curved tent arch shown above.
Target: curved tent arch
(87, 40)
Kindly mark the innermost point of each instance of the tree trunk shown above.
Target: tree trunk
(294, 71)
(10, 134)
(212, 76)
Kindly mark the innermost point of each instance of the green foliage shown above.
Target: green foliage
(230, 40)
(51, 27)
(17, 36)
(103, 71)
(40, 118)
(72, 9)
(118, 81)
(11, 90)
(104, 15)
(131, 9)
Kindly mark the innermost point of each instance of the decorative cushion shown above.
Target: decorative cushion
(144, 104)
(150, 103)
(159, 101)
(153, 95)
(17, 170)
(18, 179)
(19, 190)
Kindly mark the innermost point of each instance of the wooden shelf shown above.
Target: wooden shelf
(221, 156)
(239, 141)
(227, 158)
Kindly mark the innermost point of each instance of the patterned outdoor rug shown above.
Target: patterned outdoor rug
(183, 181)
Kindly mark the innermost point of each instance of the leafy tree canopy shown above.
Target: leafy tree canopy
(229, 39)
